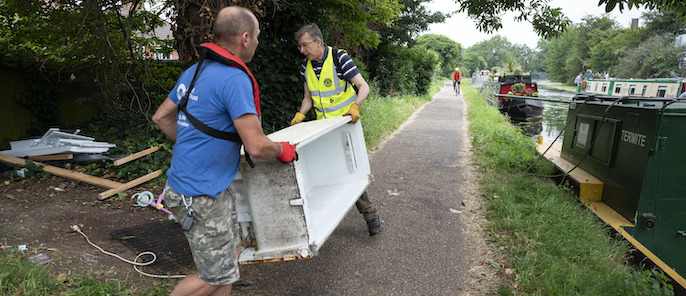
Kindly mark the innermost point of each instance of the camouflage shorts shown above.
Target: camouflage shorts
(214, 236)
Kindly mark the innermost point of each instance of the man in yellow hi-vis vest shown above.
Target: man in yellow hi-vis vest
(334, 87)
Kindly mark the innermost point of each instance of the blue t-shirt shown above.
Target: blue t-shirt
(202, 164)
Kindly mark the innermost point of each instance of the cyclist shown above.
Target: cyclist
(457, 77)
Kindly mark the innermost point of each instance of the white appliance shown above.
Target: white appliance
(288, 211)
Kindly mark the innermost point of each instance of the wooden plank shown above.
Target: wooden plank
(52, 157)
(128, 185)
(137, 155)
(81, 177)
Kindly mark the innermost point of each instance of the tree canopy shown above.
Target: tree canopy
(449, 52)
(599, 44)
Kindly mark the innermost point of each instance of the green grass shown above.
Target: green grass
(555, 245)
(18, 276)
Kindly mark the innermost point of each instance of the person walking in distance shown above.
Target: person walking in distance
(217, 94)
(578, 79)
(457, 78)
(334, 87)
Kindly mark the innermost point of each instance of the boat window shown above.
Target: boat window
(618, 88)
(604, 88)
(596, 87)
(643, 93)
(632, 89)
(661, 91)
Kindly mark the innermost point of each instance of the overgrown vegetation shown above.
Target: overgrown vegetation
(555, 245)
(19, 276)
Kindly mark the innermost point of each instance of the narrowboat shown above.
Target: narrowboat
(643, 88)
(624, 157)
(509, 94)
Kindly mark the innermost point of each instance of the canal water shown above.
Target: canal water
(554, 116)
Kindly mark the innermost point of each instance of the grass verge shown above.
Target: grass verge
(19, 276)
(554, 244)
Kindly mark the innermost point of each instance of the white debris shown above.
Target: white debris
(393, 192)
(56, 142)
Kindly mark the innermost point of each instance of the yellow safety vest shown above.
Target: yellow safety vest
(330, 96)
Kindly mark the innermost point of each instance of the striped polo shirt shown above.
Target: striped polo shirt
(348, 71)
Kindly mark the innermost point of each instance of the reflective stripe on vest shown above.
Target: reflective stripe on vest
(330, 96)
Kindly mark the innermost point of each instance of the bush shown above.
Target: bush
(403, 70)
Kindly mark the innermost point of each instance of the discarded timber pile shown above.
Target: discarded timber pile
(113, 186)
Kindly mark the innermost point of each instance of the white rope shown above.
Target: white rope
(134, 262)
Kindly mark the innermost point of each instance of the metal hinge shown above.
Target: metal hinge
(662, 143)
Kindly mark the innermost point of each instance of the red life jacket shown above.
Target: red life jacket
(219, 54)
(216, 53)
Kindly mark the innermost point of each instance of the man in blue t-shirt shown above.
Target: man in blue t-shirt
(334, 87)
(202, 166)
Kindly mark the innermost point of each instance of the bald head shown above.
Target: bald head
(233, 21)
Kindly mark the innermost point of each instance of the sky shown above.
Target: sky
(462, 29)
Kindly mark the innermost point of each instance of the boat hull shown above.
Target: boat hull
(522, 110)
(518, 109)
(635, 148)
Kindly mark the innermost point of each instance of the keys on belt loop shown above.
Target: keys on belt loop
(190, 216)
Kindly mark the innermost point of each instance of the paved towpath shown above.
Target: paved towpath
(423, 192)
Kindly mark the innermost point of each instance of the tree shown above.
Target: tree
(656, 57)
(659, 23)
(557, 53)
(605, 54)
(537, 62)
(547, 22)
(524, 56)
(678, 7)
(414, 18)
(511, 66)
(90, 46)
(345, 22)
(471, 62)
(449, 51)
(495, 50)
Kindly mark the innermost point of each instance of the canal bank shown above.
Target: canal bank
(555, 246)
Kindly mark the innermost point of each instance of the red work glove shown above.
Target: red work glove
(289, 154)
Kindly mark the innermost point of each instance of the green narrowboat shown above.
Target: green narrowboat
(628, 157)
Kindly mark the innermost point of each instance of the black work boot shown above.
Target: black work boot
(374, 226)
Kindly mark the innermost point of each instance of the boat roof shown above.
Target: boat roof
(660, 80)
